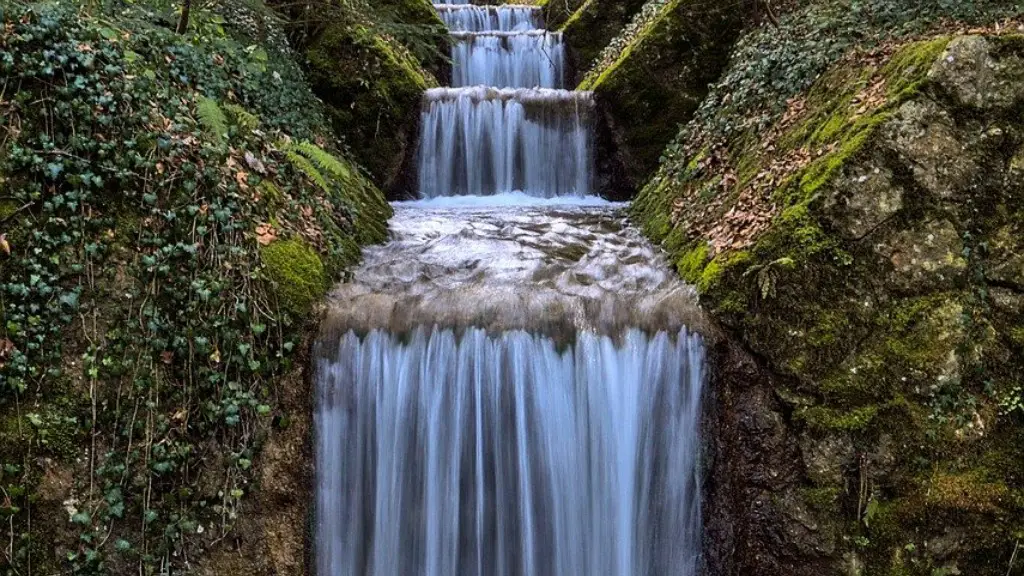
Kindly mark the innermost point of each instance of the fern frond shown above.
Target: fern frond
(243, 118)
(212, 118)
(333, 166)
(303, 165)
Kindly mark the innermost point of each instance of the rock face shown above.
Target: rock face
(867, 412)
(657, 76)
(593, 27)
(372, 85)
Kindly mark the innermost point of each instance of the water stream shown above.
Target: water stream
(511, 386)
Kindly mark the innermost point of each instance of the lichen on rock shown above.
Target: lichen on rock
(877, 272)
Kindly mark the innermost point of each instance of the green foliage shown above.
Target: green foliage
(212, 118)
(142, 323)
(771, 65)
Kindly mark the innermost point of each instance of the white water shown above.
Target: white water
(510, 386)
(480, 141)
(520, 59)
(505, 456)
(469, 18)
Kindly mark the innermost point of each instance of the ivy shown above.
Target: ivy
(140, 336)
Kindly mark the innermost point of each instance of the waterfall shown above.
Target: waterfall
(484, 141)
(505, 455)
(511, 385)
(521, 59)
(508, 18)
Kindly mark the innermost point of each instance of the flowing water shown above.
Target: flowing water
(511, 386)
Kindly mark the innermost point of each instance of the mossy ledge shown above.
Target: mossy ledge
(659, 79)
(861, 250)
(372, 86)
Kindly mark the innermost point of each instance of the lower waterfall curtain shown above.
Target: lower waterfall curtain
(474, 454)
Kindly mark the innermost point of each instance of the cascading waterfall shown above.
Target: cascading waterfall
(509, 389)
(506, 125)
(519, 59)
(488, 455)
(483, 141)
(508, 18)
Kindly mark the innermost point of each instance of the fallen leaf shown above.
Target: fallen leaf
(167, 356)
(255, 163)
(265, 234)
(4, 245)
(242, 177)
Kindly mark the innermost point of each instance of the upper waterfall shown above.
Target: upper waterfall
(470, 18)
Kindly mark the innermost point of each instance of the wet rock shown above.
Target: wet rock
(974, 78)
(1005, 262)
(827, 457)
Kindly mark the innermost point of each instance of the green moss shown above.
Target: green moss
(972, 491)
(824, 499)
(691, 264)
(372, 86)
(297, 274)
(659, 79)
(824, 418)
(718, 266)
(7, 208)
(594, 25)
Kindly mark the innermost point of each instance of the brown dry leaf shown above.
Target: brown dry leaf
(218, 59)
(242, 177)
(265, 234)
(167, 356)
(5, 246)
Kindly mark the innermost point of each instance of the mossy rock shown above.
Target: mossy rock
(660, 78)
(556, 12)
(372, 87)
(430, 41)
(593, 26)
(865, 248)
(297, 274)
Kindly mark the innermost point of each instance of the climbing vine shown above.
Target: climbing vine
(142, 331)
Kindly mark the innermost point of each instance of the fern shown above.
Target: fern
(324, 160)
(212, 119)
(303, 165)
(243, 118)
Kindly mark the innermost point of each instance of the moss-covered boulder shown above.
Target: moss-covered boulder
(592, 28)
(866, 248)
(656, 77)
(372, 86)
(297, 274)
(556, 12)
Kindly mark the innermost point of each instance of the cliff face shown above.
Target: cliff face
(652, 76)
(865, 250)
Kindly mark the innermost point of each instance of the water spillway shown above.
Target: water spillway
(511, 386)
(485, 141)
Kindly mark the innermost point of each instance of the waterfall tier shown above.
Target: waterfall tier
(477, 455)
(469, 18)
(534, 58)
(483, 141)
(555, 270)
